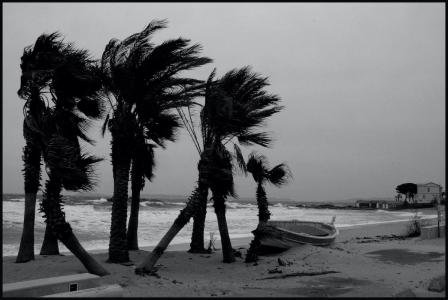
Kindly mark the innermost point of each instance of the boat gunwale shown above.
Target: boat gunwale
(327, 237)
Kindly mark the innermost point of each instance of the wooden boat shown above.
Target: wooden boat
(287, 234)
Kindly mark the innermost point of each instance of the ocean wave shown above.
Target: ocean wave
(423, 217)
(15, 199)
(235, 205)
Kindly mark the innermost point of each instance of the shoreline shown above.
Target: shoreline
(344, 232)
(360, 263)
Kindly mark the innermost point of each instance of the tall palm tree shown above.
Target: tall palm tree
(236, 105)
(279, 175)
(245, 88)
(35, 58)
(144, 79)
(33, 110)
(70, 79)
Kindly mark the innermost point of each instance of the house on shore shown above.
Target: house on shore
(428, 193)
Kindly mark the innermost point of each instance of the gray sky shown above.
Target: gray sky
(363, 86)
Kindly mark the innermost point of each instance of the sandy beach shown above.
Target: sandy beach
(365, 261)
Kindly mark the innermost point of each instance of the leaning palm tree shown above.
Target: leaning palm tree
(236, 105)
(144, 80)
(279, 175)
(70, 79)
(36, 63)
(250, 107)
(33, 111)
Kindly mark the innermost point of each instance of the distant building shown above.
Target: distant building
(428, 192)
(376, 204)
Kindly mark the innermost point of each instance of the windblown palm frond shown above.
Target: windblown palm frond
(53, 67)
(249, 138)
(279, 175)
(146, 83)
(257, 165)
(72, 79)
(161, 128)
(240, 159)
(74, 169)
(236, 105)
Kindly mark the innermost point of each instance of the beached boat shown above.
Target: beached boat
(287, 234)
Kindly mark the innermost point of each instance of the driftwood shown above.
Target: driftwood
(298, 274)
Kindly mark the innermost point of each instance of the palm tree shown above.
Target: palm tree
(144, 80)
(33, 110)
(236, 105)
(247, 111)
(279, 175)
(34, 58)
(71, 80)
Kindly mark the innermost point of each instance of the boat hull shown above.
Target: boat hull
(287, 234)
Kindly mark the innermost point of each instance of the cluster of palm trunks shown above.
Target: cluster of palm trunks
(136, 88)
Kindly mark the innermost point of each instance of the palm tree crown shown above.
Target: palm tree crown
(58, 72)
(258, 166)
(144, 79)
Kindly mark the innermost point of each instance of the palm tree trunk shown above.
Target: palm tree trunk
(50, 243)
(118, 247)
(197, 237)
(136, 187)
(263, 217)
(55, 218)
(31, 159)
(26, 250)
(220, 211)
(252, 253)
(188, 212)
(263, 205)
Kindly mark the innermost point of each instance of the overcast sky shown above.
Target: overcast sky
(363, 87)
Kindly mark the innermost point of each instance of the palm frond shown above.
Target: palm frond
(250, 138)
(258, 166)
(240, 159)
(104, 126)
(74, 169)
(279, 175)
(161, 128)
(147, 76)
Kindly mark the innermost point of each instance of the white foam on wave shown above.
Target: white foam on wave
(15, 199)
(240, 205)
(91, 223)
(423, 217)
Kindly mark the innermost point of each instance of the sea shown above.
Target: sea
(90, 219)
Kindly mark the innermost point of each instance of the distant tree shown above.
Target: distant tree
(407, 189)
